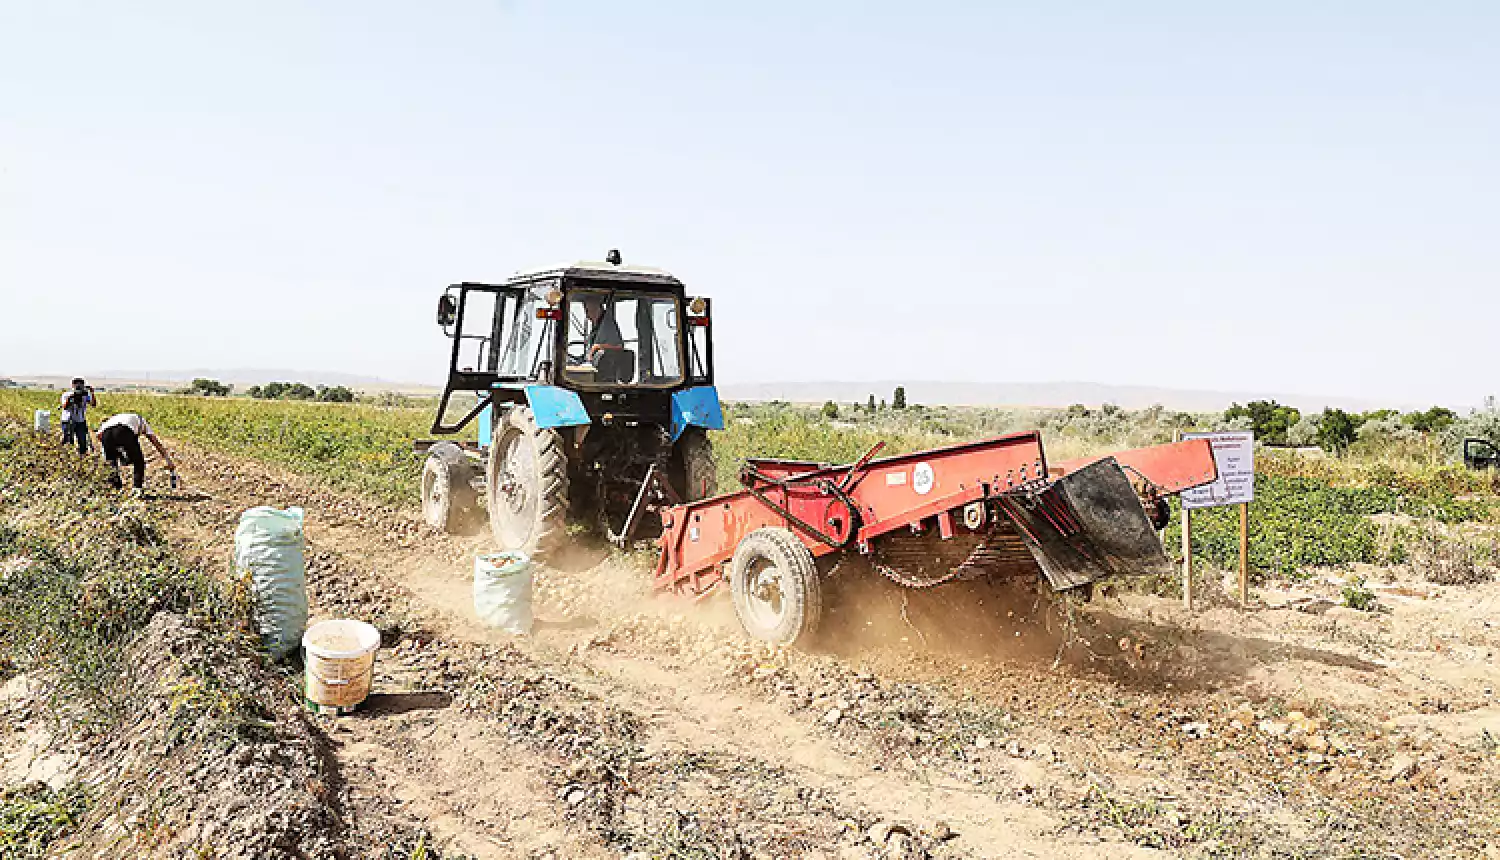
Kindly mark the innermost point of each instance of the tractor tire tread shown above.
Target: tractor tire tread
(550, 527)
(700, 475)
(552, 469)
(462, 498)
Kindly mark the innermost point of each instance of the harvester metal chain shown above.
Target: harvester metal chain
(923, 552)
(926, 560)
(911, 581)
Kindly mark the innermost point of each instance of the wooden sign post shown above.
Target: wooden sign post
(1234, 455)
(1244, 554)
(1187, 558)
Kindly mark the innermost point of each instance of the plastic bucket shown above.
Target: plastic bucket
(340, 664)
(41, 422)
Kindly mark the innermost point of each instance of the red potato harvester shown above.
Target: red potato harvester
(994, 507)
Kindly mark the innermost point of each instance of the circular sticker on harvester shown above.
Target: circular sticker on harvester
(922, 478)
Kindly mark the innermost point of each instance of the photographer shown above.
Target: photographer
(75, 408)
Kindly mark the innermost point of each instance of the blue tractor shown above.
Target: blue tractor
(593, 390)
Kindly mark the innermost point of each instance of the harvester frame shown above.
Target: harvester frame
(990, 507)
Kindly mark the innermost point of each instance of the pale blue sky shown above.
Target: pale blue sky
(1282, 196)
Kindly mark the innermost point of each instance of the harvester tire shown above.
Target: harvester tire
(695, 475)
(528, 484)
(449, 500)
(774, 584)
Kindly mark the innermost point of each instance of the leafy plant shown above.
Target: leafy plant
(334, 394)
(1434, 420)
(33, 816)
(1336, 431)
(1269, 419)
(1300, 522)
(1357, 596)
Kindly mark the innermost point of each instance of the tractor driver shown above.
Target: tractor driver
(605, 347)
(604, 331)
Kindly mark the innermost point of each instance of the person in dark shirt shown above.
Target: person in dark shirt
(604, 331)
(75, 415)
(605, 348)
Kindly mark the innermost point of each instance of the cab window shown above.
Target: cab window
(623, 338)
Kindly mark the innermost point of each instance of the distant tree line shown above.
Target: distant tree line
(1333, 430)
(898, 401)
(208, 388)
(301, 391)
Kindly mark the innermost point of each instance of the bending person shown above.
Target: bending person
(120, 439)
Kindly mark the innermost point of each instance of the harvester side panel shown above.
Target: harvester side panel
(898, 492)
(891, 493)
(1169, 468)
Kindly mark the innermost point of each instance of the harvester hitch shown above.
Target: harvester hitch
(655, 494)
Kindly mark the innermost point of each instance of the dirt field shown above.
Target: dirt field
(972, 721)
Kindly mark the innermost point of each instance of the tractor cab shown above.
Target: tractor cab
(593, 390)
(596, 330)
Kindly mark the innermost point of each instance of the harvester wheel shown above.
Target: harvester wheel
(528, 484)
(449, 499)
(775, 587)
(694, 475)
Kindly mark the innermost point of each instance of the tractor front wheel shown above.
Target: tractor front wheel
(528, 484)
(775, 588)
(448, 496)
(694, 475)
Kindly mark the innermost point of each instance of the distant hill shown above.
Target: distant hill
(1040, 394)
(240, 378)
(929, 392)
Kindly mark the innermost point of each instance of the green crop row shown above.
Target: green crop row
(1299, 523)
(1309, 512)
(366, 449)
(85, 572)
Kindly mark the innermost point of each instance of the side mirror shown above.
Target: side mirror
(447, 312)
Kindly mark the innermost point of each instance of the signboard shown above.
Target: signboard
(1234, 455)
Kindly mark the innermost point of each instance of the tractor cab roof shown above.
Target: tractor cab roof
(599, 271)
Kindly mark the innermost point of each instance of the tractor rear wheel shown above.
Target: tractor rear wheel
(528, 484)
(694, 475)
(449, 499)
(775, 587)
